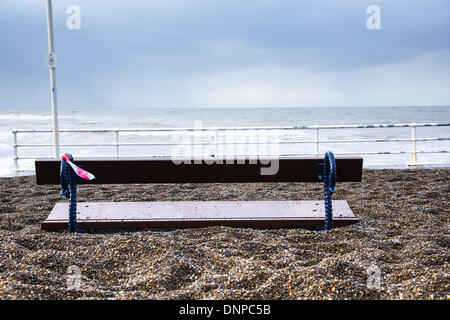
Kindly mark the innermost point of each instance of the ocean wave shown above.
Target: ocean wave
(24, 116)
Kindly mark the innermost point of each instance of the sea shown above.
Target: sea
(133, 118)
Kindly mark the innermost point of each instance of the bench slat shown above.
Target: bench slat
(164, 170)
(191, 214)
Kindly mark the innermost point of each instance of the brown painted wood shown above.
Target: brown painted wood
(192, 214)
(164, 170)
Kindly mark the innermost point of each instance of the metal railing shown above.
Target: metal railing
(216, 130)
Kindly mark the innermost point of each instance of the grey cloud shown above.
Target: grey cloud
(155, 51)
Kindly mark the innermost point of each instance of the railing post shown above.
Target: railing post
(216, 142)
(316, 142)
(413, 162)
(16, 155)
(116, 132)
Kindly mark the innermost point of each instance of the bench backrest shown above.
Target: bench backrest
(164, 170)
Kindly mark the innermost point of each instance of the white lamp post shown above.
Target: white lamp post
(51, 63)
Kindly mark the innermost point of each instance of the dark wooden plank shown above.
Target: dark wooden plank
(164, 170)
(191, 214)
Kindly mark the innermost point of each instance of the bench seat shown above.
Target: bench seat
(180, 214)
(192, 214)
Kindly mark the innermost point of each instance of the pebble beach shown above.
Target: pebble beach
(403, 233)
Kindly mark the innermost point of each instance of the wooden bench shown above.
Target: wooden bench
(182, 214)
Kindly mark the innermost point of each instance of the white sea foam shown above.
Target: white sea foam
(24, 117)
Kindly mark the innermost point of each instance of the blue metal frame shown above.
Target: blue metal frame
(69, 180)
(329, 187)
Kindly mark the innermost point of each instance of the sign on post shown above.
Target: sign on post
(51, 60)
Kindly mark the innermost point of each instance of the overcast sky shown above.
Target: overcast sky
(226, 53)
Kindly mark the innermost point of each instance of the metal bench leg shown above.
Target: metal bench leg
(73, 203)
(69, 179)
(329, 183)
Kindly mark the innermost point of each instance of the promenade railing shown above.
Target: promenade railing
(217, 132)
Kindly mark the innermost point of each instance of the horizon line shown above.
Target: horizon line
(222, 107)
